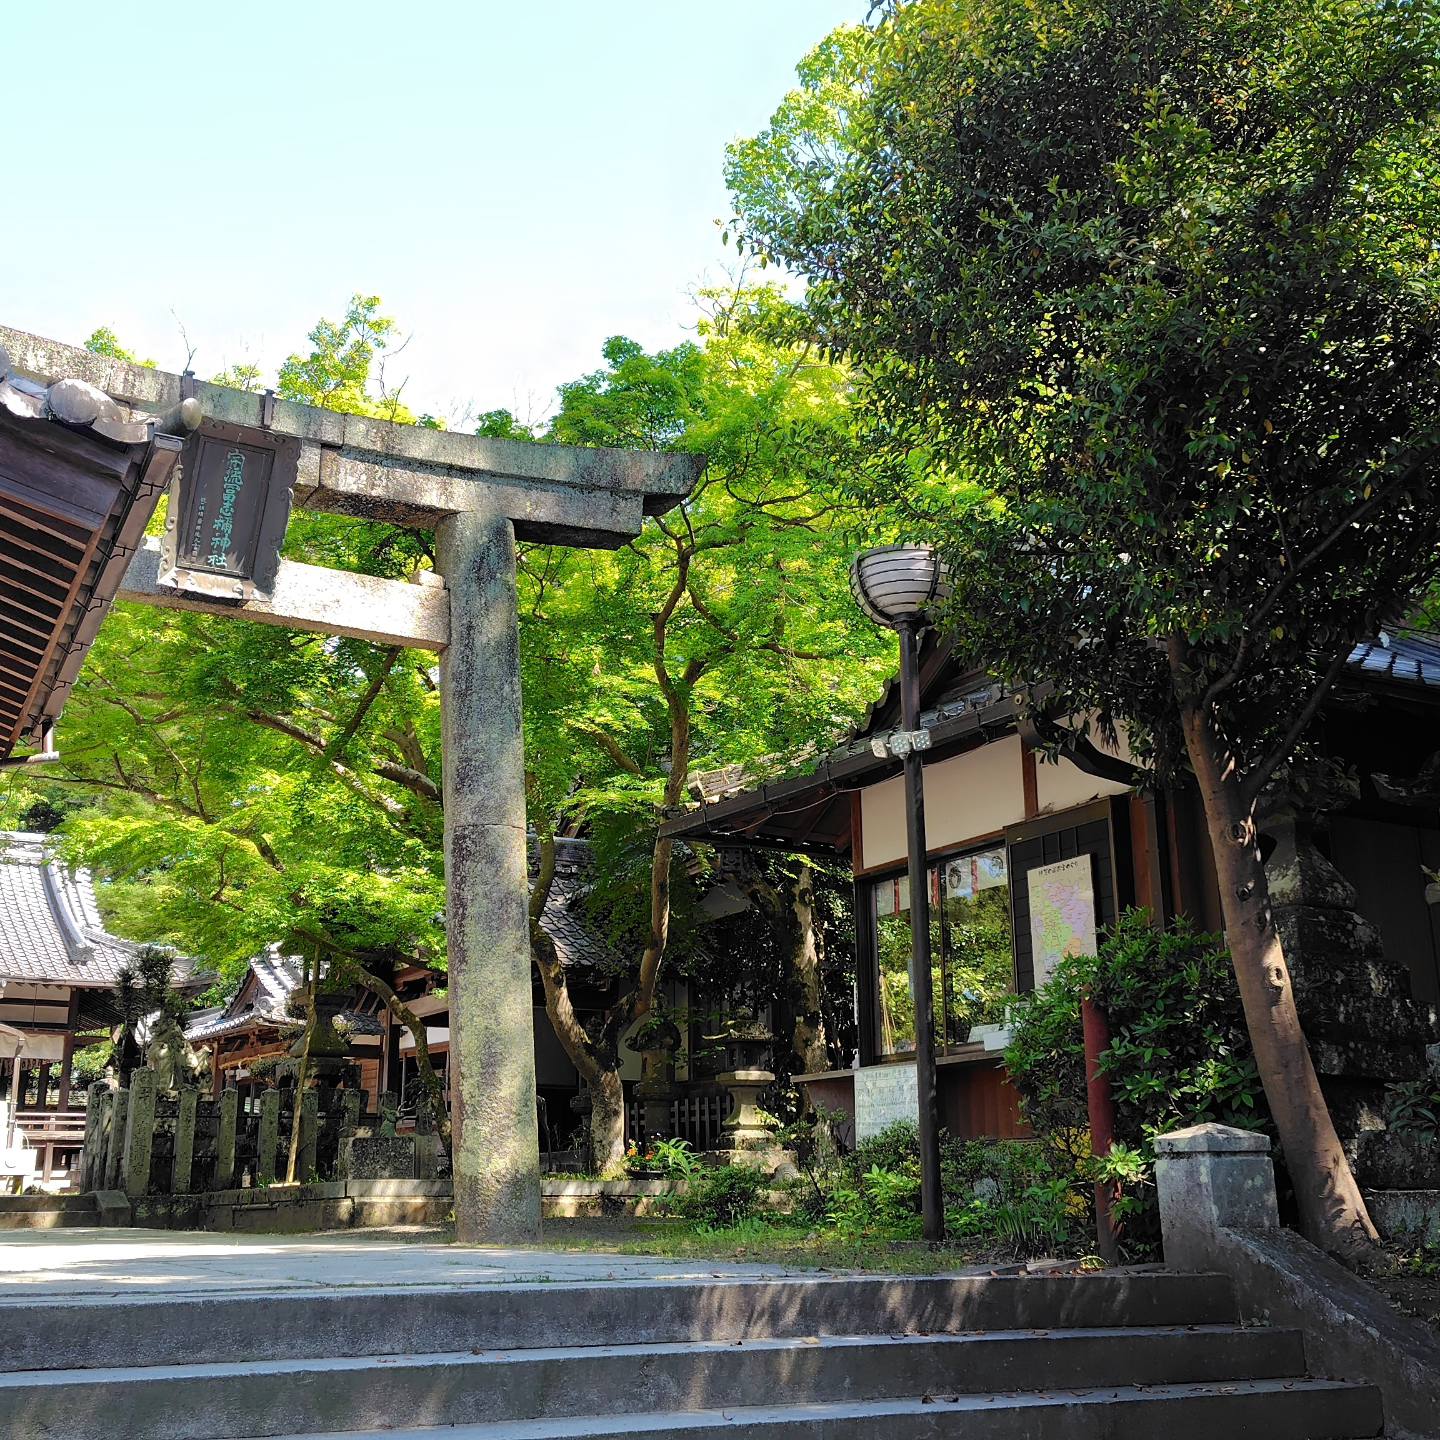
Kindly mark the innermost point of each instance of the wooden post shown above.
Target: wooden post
(185, 1112)
(67, 1055)
(1100, 1105)
(269, 1137)
(225, 1140)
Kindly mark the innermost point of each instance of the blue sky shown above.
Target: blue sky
(516, 180)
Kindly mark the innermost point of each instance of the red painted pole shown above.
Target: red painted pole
(1100, 1105)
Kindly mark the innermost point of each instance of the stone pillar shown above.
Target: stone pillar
(495, 1144)
(225, 1140)
(115, 1144)
(269, 1137)
(139, 1134)
(349, 1126)
(97, 1136)
(309, 1135)
(1209, 1178)
(186, 1110)
(387, 1113)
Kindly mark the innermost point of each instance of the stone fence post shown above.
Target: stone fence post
(185, 1112)
(1211, 1178)
(139, 1134)
(115, 1144)
(309, 1102)
(97, 1136)
(269, 1137)
(225, 1140)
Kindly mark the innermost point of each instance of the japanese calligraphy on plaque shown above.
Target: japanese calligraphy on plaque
(228, 512)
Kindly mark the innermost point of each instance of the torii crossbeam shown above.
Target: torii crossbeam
(478, 495)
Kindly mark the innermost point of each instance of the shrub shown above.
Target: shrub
(1414, 1106)
(815, 1141)
(896, 1147)
(724, 1197)
(879, 1202)
(1178, 1055)
(1022, 1196)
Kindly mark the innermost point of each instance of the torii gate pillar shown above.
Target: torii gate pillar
(495, 1146)
(479, 496)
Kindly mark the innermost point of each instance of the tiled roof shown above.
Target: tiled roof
(276, 977)
(1409, 658)
(50, 927)
(564, 918)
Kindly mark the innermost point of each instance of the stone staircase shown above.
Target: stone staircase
(1087, 1357)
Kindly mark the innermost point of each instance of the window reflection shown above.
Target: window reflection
(972, 951)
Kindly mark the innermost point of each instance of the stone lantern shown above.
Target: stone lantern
(655, 1040)
(746, 1045)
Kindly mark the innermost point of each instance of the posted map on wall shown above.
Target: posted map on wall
(1062, 913)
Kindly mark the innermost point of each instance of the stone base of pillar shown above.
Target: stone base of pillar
(748, 1127)
(1209, 1178)
(656, 1098)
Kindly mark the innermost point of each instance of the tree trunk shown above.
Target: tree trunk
(607, 1120)
(806, 961)
(311, 985)
(1332, 1211)
(598, 1065)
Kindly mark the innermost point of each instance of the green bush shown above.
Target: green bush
(1179, 1053)
(1021, 1196)
(724, 1197)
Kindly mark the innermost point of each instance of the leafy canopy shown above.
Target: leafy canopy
(1162, 275)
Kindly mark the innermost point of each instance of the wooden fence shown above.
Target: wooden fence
(696, 1118)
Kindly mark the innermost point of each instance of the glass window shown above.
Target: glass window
(972, 954)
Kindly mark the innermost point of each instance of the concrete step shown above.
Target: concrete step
(1276, 1410)
(201, 1328)
(270, 1398)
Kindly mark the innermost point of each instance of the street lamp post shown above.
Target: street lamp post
(897, 586)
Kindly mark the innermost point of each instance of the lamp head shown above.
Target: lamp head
(899, 585)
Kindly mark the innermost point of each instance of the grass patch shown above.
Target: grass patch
(793, 1245)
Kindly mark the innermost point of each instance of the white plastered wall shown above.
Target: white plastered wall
(968, 795)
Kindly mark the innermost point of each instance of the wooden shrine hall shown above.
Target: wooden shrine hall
(58, 970)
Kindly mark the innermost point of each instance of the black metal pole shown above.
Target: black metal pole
(932, 1203)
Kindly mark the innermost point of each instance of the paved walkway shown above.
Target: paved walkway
(93, 1262)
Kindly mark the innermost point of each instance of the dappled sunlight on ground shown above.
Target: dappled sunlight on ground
(113, 1262)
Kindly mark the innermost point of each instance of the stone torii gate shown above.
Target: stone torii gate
(479, 496)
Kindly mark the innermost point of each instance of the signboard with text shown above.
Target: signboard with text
(228, 512)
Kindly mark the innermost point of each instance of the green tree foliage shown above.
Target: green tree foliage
(248, 785)
(1161, 274)
(104, 341)
(724, 635)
